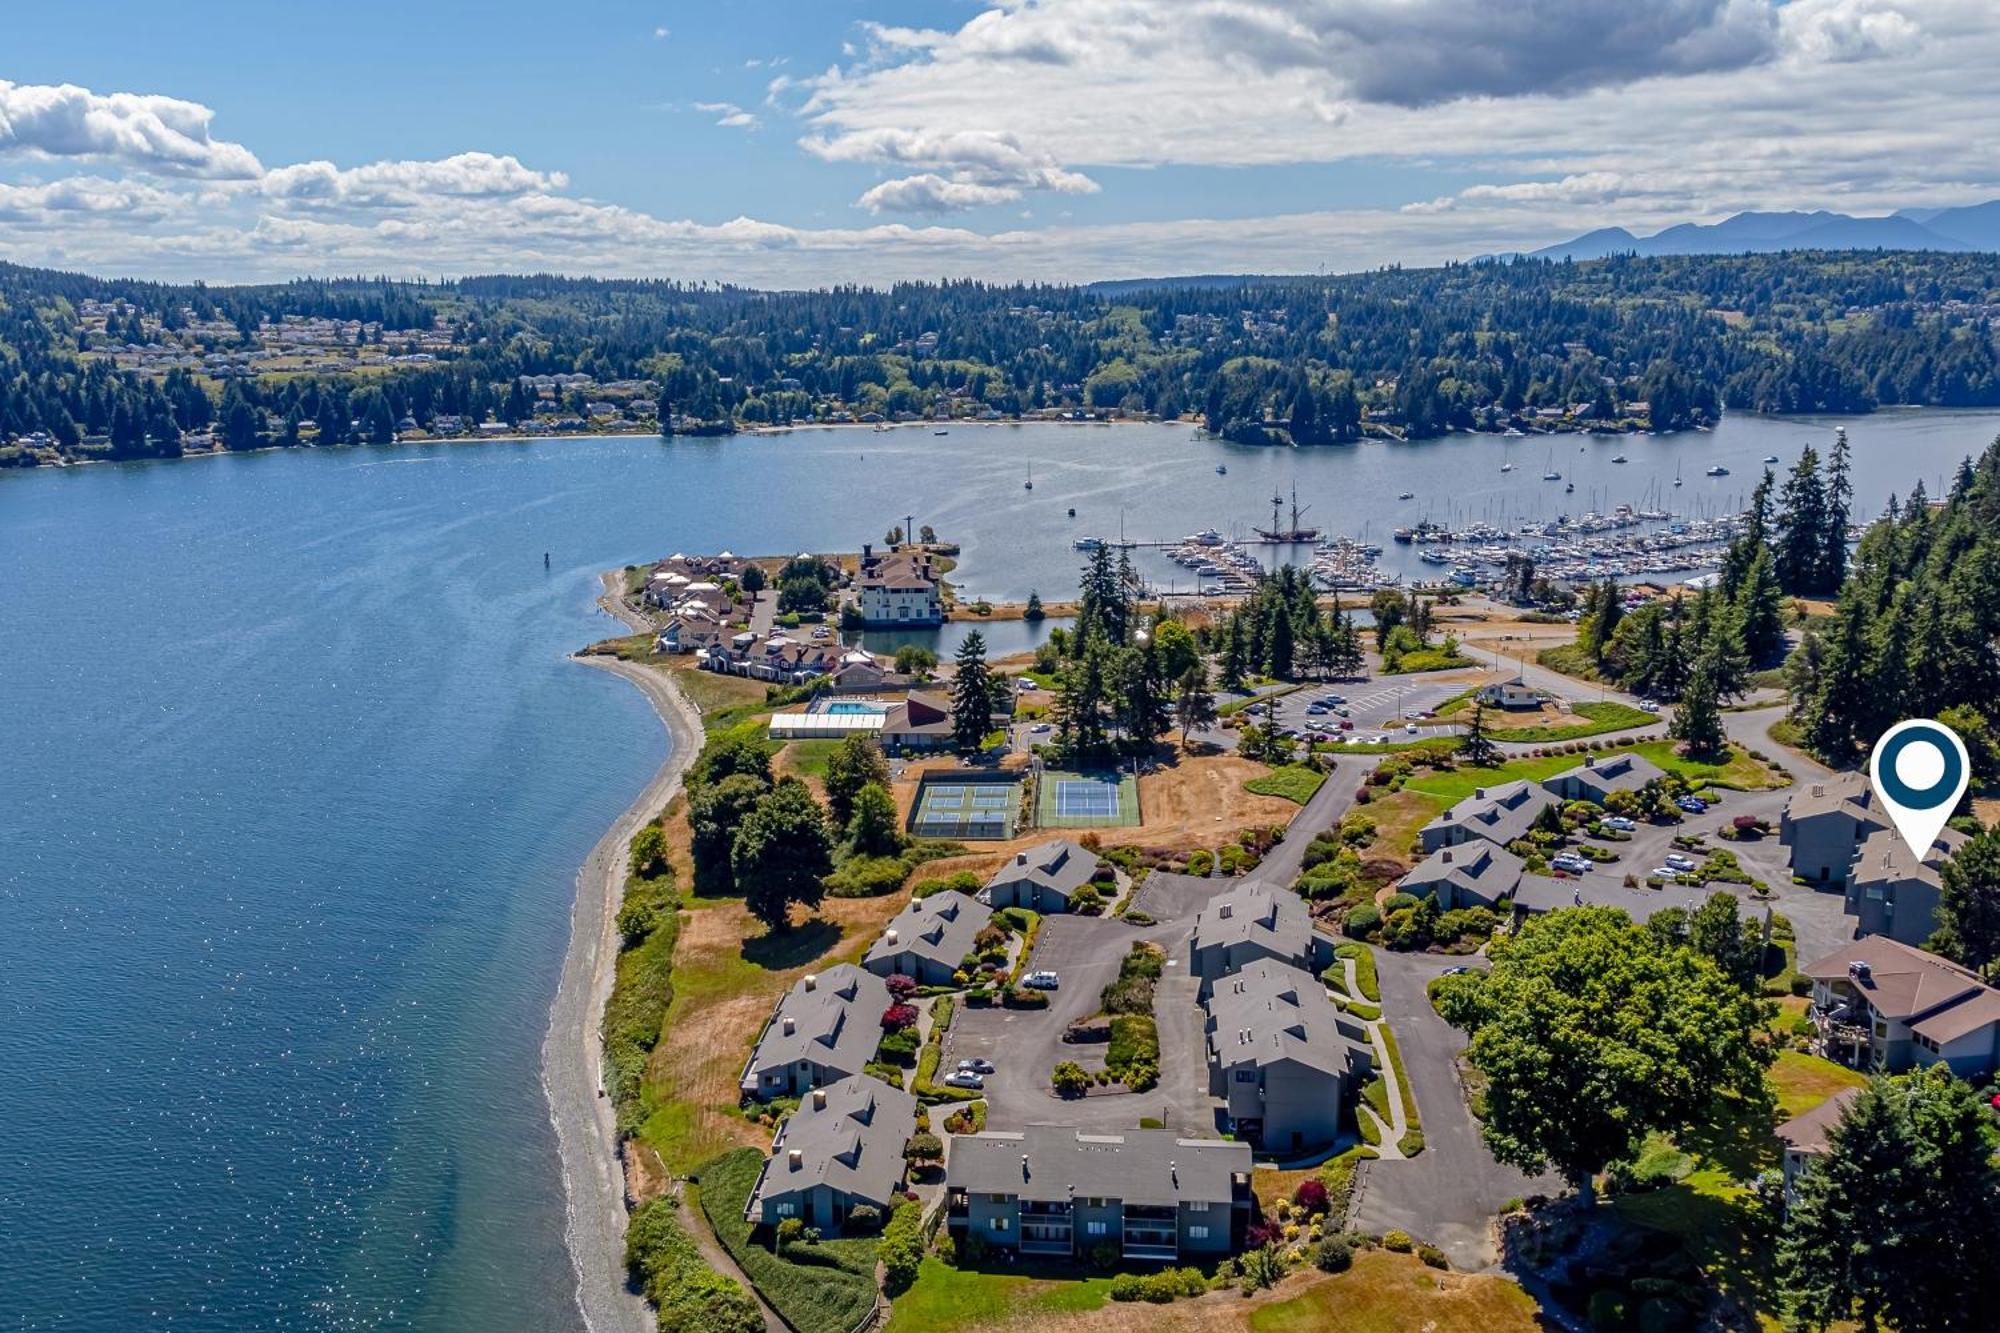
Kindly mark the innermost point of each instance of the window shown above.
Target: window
(1197, 1206)
(1197, 1233)
(999, 1198)
(1000, 1223)
(1881, 1029)
(1094, 1228)
(788, 1210)
(1246, 1076)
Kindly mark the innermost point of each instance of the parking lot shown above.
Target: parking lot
(1025, 1045)
(1377, 709)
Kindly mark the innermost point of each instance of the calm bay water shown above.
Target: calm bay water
(294, 781)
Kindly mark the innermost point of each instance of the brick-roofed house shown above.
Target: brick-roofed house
(841, 1148)
(929, 938)
(1890, 891)
(1250, 922)
(1825, 824)
(1880, 1002)
(1060, 1193)
(1804, 1138)
(825, 1028)
(1282, 1056)
(1044, 878)
(1595, 778)
(1477, 874)
(1500, 815)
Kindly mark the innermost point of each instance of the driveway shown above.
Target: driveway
(1026, 1044)
(1450, 1193)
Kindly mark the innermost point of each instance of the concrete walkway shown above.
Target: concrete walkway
(1281, 866)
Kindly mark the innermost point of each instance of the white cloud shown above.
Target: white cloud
(162, 135)
(63, 202)
(963, 169)
(408, 183)
(729, 115)
(661, 34)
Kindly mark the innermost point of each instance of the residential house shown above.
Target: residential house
(1881, 1003)
(1054, 1192)
(1595, 778)
(1282, 1056)
(1500, 815)
(1513, 695)
(929, 939)
(842, 1148)
(1825, 824)
(1892, 891)
(1476, 874)
(824, 1028)
(900, 586)
(1250, 922)
(692, 629)
(1042, 879)
(1804, 1138)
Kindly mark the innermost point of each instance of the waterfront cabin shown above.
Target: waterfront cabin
(825, 1028)
(930, 939)
(843, 1148)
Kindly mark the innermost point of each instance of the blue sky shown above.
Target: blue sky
(780, 142)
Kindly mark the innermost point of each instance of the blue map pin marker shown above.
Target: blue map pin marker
(1919, 771)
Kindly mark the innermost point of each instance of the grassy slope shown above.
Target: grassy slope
(1395, 1293)
(1598, 718)
(828, 1295)
(1293, 782)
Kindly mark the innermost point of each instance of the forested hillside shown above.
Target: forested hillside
(114, 368)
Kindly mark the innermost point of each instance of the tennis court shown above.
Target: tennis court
(967, 810)
(1087, 800)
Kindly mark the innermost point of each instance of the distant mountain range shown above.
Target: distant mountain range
(1973, 227)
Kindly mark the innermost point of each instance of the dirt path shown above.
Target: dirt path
(572, 1058)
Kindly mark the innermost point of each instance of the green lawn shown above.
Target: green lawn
(823, 1288)
(809, 758)
(1294, 782)
(946, 1299)
(1598, 718)
(1364, 968)
(1738, 771)
(1430, 659)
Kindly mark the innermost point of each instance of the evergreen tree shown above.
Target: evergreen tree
(855, 762)
(1697, 723)
(1839, 714)
(871, 828)
(971, 694)
(1195, 708)
(1839, 513)
(1033, 611)
(1802, 537)
(1968, 909)
(1476, 747)
(715, 811)
(1760, 606)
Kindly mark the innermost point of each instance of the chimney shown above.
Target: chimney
(867, 549)
(1446, 854)
(1479, 792)
(1174, 1170)
(1222, 913)
(796, 1158)
(1020, 858)
(890, 935)
(791, 1025)
(1590, 761)
(819, 1099)
(1024, 1166)
(812, 983)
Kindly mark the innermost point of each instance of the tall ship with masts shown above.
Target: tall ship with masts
(1295, 533)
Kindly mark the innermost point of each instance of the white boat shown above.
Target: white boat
(1506, 467)
(1770, 458)
(1088, 543)
(1407, 495)
(1718, 471)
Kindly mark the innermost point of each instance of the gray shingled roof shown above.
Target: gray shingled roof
(1619, 772)
(1847, 793)
(1062, 867)
(1269, 1011)
(1886, 859)
(1153, 1167)
(1275, 917)
(848, 1136)
(1477, 868)
(835, 1019)
(1498, 814)
(941, 928)
(1901, 982)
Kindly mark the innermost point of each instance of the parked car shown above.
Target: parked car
(1649, 705)
(1458, 971)
(1345, 725)
(964, 1078)
(1040, 980)
(1664, 872)
(1040, 729)
(1692, 805)
(1342, 710)
(1576, 865)
(1620, 823)
(1332, 699)
(1681, 861)
(979, 1065)
(1409, 728)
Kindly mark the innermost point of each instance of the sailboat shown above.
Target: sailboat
(1294, 533)
(1549, 472)
(1506, 467)
(1029, 484)
(1677, 474)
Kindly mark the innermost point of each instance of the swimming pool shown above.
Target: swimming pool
(852, 706)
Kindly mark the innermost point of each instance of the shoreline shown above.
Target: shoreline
(593, 1174)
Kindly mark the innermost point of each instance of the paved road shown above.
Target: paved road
(1450, 1193)
(1280, 868)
